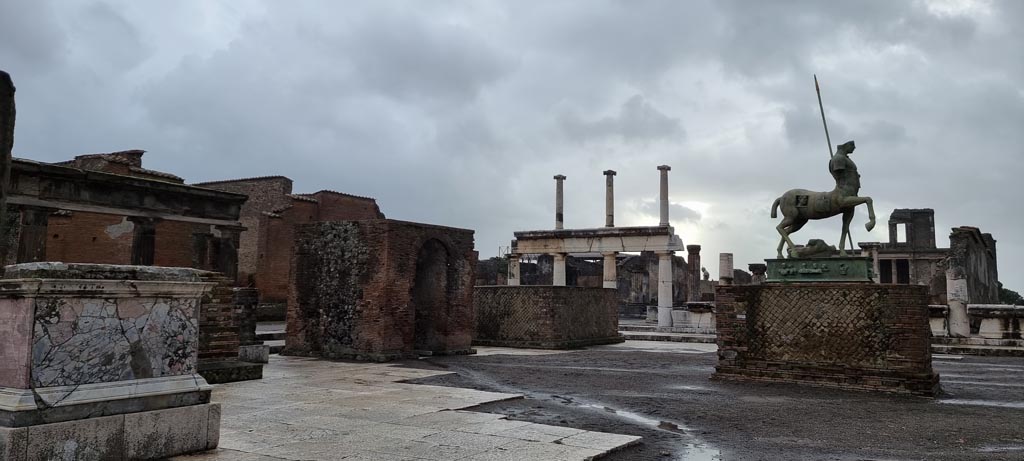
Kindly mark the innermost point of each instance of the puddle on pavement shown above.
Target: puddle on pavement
(985, 403)
(691, 452)
(1000, 448)
(684, 387)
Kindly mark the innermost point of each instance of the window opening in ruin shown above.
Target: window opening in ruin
(144, 244)
(885, 269)
(431, 296)
(903, 271)
(901, 233)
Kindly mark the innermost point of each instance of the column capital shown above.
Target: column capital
(664, 167)
(693, 248)
(664, 252)
(609, 172)
(609, 253)
(559, 255)
(560, 177)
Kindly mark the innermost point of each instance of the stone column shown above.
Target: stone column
(872, 250)
(664, 195)
(559, 218)
(558, 270)
(758, 272)
(609, 198)
(7, 113)
(513, 269)
(725, 273)
(957, 297)
(611, 278)
(693, 267)
(664, 288)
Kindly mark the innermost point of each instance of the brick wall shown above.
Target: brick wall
(551, 317)
(265, 195)
(855, 336)
(81, 237)
(380, 290)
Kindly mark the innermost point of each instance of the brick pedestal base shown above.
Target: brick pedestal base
(855, 336)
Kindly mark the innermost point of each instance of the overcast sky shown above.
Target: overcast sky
(459, 113)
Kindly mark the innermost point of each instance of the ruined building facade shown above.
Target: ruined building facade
(912, 257)
(107, 208)
(270, 215)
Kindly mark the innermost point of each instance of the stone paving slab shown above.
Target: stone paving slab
(310, 409)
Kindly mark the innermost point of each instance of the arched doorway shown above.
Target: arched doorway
(430, 297)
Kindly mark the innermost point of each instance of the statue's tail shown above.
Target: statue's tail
(775, 207)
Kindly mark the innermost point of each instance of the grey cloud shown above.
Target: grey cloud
(676, 212)
(637, 120)
(459, 113)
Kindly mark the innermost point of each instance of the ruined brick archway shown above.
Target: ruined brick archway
(430, 295)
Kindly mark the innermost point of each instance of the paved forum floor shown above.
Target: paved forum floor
(309, 409)
(661, 392)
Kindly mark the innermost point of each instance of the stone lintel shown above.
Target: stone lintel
(83, 271)
(598, 243)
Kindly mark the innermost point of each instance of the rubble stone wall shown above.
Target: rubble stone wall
(380, 290)
(856, 336)
(550, 317)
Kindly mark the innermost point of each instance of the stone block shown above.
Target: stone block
(213, 426)
(992, 328)
(257, 353)
(174, 431)
(13, 443)
(85, 439)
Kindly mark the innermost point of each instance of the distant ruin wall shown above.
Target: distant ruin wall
(549, 317)
(855, 336)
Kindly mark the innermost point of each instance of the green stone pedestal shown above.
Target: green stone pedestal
(833, 269)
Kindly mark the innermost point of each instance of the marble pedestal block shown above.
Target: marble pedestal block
(99, 362)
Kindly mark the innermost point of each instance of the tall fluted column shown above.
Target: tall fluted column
(664, 194)
(513, 269)
(559, 218)
(664, 288)
(609, 198)
(610, 276)
(558, 270)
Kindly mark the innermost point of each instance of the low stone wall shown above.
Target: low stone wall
(855, 336)
(100, 362)
(989, 321)
(544, 316)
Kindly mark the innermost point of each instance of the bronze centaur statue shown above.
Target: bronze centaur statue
(799, 205)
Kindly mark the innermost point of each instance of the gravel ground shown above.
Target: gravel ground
(668, 399)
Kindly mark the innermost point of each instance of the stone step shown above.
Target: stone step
(656, 329)
(1002, 351)
(977, 342)
(275, 346)
(675, 337)
(270, 335)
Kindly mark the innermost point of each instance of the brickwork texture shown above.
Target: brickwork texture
(549, 317)
(854, 336)
(380, 290)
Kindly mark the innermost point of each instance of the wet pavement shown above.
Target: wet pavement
(661, 391)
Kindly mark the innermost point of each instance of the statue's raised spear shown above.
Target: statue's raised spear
(827, 140)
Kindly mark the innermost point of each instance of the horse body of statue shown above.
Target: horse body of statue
(800, 206)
